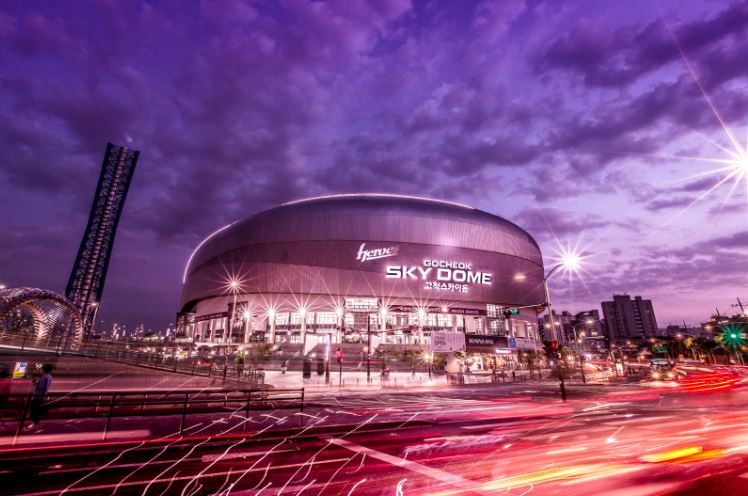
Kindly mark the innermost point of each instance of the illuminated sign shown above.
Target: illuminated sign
(375, 253)
(441, 275)
(211, 316)
(445, 342)
(433, 310)
(485, 342)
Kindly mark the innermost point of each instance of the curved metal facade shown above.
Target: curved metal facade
(55, 318)
(314, 247)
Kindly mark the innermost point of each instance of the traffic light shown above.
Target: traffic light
(733, 336)
(554, 345)
(510, 311)
(339, 356)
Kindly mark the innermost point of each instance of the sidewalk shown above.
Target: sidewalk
(356, 380)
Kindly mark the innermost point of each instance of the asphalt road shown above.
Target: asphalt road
(509, 439)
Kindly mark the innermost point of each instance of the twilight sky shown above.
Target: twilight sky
(580, 121)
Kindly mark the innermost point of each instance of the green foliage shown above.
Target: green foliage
(439, 360)
(412, 357)
(464, 358)
(257, 353)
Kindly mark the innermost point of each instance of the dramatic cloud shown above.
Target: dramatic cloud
(570, 120)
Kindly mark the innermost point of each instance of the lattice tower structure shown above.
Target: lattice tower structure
(86, 284)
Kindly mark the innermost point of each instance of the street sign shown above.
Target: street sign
(228, 350)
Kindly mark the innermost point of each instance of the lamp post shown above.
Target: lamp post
(233, 286)
(383, 328)
(561, 384)
(368, 348)
(247, 318)
(579, 339)
(96, 306)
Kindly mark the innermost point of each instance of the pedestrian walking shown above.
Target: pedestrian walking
(39, 396)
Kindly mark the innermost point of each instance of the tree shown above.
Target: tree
(412, 358)
(257, 353)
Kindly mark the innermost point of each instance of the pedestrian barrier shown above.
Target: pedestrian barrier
(601, 376)
(108, 405)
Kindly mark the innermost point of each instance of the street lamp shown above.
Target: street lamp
(368, 348)
(247, 318)
(383, 326)
(429, 358)
(569, 261)
(234, 288)
(302, 327)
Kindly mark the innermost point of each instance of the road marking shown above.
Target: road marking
(575, 432)
(243, 454)
(205, 458)
(639, 420)
(434, 473)
(36, 438)
(168, 480)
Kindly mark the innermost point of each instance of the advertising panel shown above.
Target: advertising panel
(434, 309)
(521, 343)
(482, 343)
(445, 342)
(19, 370)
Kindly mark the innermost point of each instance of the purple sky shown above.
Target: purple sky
(570, 118)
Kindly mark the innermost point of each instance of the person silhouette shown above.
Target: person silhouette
(39, 396)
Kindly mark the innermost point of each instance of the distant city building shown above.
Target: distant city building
(563, 331)
(628, 319)
(585, 328)
(717, 323)
(677, 331)
(589, 329)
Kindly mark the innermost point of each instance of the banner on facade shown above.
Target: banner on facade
(521, 343)
(445, 342)
(480, 342)
(211, 316)
(436, 310)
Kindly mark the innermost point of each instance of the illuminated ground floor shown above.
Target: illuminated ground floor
(282, 319)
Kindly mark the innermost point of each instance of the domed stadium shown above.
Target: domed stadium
(336, 269)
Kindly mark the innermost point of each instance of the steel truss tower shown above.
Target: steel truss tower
(86, 283)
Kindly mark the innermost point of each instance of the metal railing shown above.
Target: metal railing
(108, 405)
(162, 358)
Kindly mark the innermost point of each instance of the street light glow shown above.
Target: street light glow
(233, 284)
(571, 261)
